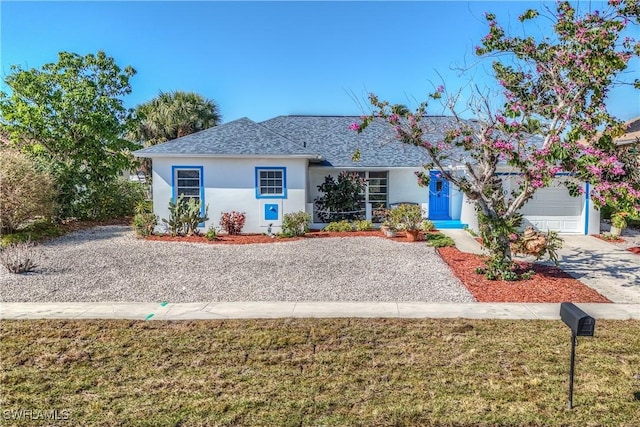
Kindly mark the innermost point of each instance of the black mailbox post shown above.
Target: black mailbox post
(581, 325)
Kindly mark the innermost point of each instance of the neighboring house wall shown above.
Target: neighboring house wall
(229, 184)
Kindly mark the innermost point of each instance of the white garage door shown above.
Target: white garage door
(554, 209)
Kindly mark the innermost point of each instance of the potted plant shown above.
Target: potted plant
(389, 226)
(409, 218)
(618, 223)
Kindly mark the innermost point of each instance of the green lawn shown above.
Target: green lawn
(319, 372)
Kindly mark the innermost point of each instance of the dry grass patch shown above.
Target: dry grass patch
(320, 372)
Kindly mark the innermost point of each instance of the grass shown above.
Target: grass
(37, 231)
(320, 372)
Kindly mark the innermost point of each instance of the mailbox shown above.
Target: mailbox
(581, 324)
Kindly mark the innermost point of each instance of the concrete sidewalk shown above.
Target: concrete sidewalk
(271, 310)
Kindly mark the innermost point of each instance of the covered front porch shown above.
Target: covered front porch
(389, 187)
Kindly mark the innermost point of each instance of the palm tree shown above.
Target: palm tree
(172, 115)
(400, 109)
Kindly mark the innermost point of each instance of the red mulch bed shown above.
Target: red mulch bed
(244, 239)
(634, 250)
(616, 240)
(549, 284)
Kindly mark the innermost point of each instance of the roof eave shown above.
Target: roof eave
(228, 156)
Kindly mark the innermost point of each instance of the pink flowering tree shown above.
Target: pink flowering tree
(552, 122)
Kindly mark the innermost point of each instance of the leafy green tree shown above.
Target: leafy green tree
(69, 115)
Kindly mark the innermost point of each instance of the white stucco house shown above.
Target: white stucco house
(274, 167)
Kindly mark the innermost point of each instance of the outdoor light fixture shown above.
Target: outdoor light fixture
(582, 325)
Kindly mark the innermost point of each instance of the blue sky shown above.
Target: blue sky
(263, 59)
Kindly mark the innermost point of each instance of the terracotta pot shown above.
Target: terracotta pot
(390, 233)
(412, 235)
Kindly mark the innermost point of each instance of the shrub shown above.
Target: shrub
(38, 230)
(144, 223)
(21, 257)
(341, 199)
(388, 220)
(144, 206)
(343, 225)
(427, 225)
(408, 217)
(185, 216)
(114, 199)
(232, 222)
(211, 234)
(295, 224)
(609, 237)
(25, 192)
(363, 225)
(619, 220)
(438, 240)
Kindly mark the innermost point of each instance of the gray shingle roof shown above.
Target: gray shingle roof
(242, 137)
(331, 137)
(316, 137)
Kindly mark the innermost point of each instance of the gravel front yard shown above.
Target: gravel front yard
(109, 263)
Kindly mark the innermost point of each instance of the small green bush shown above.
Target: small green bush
(295, 224)
(36, 231)
(528, 275)
(144, 223)
(343, 225)
(144, 206)
(111, 200)
(619, 220)
(427, 225)
(438, 240)
(211, 234)
(363, 225)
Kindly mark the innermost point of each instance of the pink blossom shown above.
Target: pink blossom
(354, 126)
(594, 169)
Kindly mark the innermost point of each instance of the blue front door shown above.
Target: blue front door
(438, 196)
